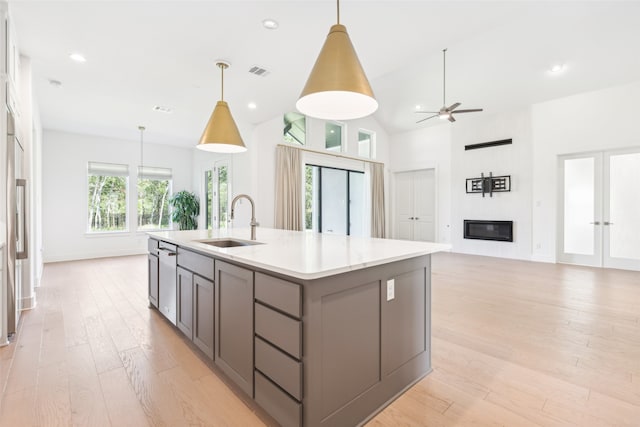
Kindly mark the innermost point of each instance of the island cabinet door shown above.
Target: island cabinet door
(153, 280)
(234, 323)
(203, 309)
(184, 291)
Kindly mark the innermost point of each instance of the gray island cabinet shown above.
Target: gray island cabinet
(317, 330)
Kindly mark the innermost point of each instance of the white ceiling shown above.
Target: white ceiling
(145, 53)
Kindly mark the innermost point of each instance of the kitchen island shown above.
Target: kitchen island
(317, 329)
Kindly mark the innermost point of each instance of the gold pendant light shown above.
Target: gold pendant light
(337, 88)
(221, 134)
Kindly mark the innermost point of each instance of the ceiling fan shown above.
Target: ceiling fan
(446, 113)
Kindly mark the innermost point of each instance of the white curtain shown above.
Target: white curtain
(377, 200)
(288, 188)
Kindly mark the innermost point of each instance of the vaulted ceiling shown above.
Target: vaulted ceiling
(146, 53)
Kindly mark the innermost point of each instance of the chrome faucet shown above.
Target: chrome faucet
(253, 222)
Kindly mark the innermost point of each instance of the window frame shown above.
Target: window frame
(124, 173)
(150, 172)
(372, 142)
(343, 130)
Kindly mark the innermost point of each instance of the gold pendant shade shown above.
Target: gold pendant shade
(221, 134)
(337, 88)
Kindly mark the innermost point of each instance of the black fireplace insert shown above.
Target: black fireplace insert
(488, 230)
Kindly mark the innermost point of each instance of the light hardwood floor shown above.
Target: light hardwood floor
(514, 344)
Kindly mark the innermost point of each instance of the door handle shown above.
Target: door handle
(607, 223)
(596, 223)
(411, 217)
(417, 218)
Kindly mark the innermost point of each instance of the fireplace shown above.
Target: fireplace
(488, 230)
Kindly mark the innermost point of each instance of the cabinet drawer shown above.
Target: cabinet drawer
(169, 246)
(279, 293)
(285, 410)
(282, 369)
(280, 330)
(195, 262)
(152, 245)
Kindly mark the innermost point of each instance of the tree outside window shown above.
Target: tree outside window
(154, 192)
(107, 197)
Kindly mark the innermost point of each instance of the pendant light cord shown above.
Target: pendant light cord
(444, 77)
(338, 7)
(222, 83)
(141, 128)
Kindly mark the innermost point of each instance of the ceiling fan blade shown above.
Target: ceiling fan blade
(426, 118)
(428, 112)
(453, 107)
(451, 119)
(473, 110)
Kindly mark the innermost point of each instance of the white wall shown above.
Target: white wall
(593, 121)
(601, 120)
(266, 136)
(514, 160)
(64, 200)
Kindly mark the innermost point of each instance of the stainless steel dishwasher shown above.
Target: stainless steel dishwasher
(167, 280)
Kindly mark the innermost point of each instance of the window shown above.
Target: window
(223, 195)
(208, 186)
(154, 191)
(295, 128)
(107, 197)
(333, 136)
(217, 194)
(365, 143)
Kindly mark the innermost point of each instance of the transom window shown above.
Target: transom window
(333, 136)
(366, 143)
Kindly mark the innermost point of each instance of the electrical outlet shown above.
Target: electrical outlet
(391, 289)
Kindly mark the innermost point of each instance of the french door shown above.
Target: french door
(600, 209)
(415, 205)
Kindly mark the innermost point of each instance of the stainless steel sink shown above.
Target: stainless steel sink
(228, 243)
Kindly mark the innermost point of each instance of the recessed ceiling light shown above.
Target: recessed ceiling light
(55, 83)
(77, 57)
(418, 107)
(557, 68)
(162, 109)
(270, 24)
(252, 106)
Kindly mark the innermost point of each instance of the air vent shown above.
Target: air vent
(162, 109)
(258, 71)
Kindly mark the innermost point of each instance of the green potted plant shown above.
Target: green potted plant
(186, 208)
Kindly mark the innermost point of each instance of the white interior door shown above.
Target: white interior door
(424, 189)
(580, 239)
(404, 205)
(599, 209)
(415, 205)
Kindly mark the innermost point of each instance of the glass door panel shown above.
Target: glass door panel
(356, 204)
(580, 207)
(621, 227)
(333, 196)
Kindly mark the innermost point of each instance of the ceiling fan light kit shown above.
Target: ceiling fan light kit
(446, 113)
(337, 88)
(221, 134)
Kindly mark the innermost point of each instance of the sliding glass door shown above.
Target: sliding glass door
(599, 209)
(335, 201)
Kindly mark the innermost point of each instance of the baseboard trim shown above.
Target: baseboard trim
(78, 257)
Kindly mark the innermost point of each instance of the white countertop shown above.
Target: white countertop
(302, 254)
